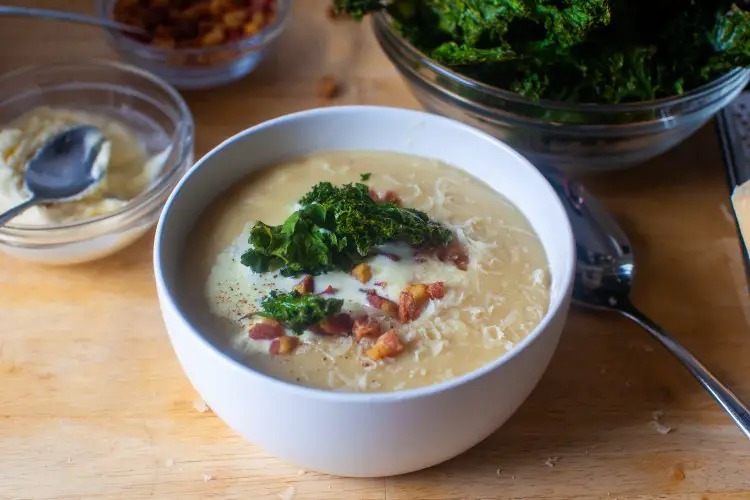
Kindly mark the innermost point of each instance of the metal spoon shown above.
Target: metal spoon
(604, 276)
(69, 16)
(61, 170)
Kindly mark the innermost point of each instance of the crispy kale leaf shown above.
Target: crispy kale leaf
(298, 311)
(365, 223)
(592, 51)
(336, 228)
(304, 242)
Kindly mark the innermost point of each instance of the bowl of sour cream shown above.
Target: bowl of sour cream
(148, 131)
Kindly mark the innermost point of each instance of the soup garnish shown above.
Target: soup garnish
(335, 228)
(455, 280)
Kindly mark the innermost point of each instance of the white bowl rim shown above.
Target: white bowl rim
(364, 397)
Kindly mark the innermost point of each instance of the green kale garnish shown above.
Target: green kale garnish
(365, 177)
(336, 228)
(587, 51)
(298, 311)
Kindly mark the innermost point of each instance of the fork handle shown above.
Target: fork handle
(725, 397)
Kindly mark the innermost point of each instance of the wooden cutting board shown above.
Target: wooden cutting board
(93, 404)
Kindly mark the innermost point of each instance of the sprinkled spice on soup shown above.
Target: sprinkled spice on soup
(365, 271)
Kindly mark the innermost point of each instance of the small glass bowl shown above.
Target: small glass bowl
(152, 108)
(199, 68)
(569, 136)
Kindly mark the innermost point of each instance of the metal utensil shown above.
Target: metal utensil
(604, 276)
(61, 170)
(7, 10)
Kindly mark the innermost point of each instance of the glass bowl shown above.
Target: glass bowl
(572, 137)
(152, 108)
(198, 68)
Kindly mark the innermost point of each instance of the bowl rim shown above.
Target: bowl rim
(167, 298)
(181, 142)
(264, 36)
(381, 23)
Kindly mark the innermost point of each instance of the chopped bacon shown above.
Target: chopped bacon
(284, 345)
(266, 329)
(378, 302)
(392, 256)
(436, 290)
(388, 345)
(362, 272)
(386, 197)
(366, 327)
(328, 291)
(415, 297)
(454, 253)
(307, 285)
(381, 284)
(390, 197)
(337, 324)
(411, 301)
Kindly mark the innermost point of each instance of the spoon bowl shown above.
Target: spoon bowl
(63, 170)
(605, 268)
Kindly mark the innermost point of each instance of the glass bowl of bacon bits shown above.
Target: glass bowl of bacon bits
(197, 44)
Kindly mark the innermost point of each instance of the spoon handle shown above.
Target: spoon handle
(68, 16)
(726, 398)
(5, 217)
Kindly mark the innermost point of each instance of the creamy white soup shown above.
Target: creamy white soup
(405, 313)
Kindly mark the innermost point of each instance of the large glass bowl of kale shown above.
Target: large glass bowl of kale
(577, 84)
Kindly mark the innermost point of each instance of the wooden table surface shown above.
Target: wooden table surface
(93, 404)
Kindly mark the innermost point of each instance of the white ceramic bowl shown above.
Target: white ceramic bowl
(378, 434)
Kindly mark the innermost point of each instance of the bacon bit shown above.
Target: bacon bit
(381, 284)
(455, 253)
(284, 345)
(392, 256)
(366, 327)
(362, 272)
(266, 329)
(391, 197)
(307, 285)
(388, 345)
(337, 324)
(436, 290)
(411, 301)
(328, 291)
(387, 197)
(378, 302)
(415, 297)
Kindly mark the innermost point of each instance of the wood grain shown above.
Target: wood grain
(93, 404)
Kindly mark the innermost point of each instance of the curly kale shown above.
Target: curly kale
(336, 228)
(298, 311)
(592, 51)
